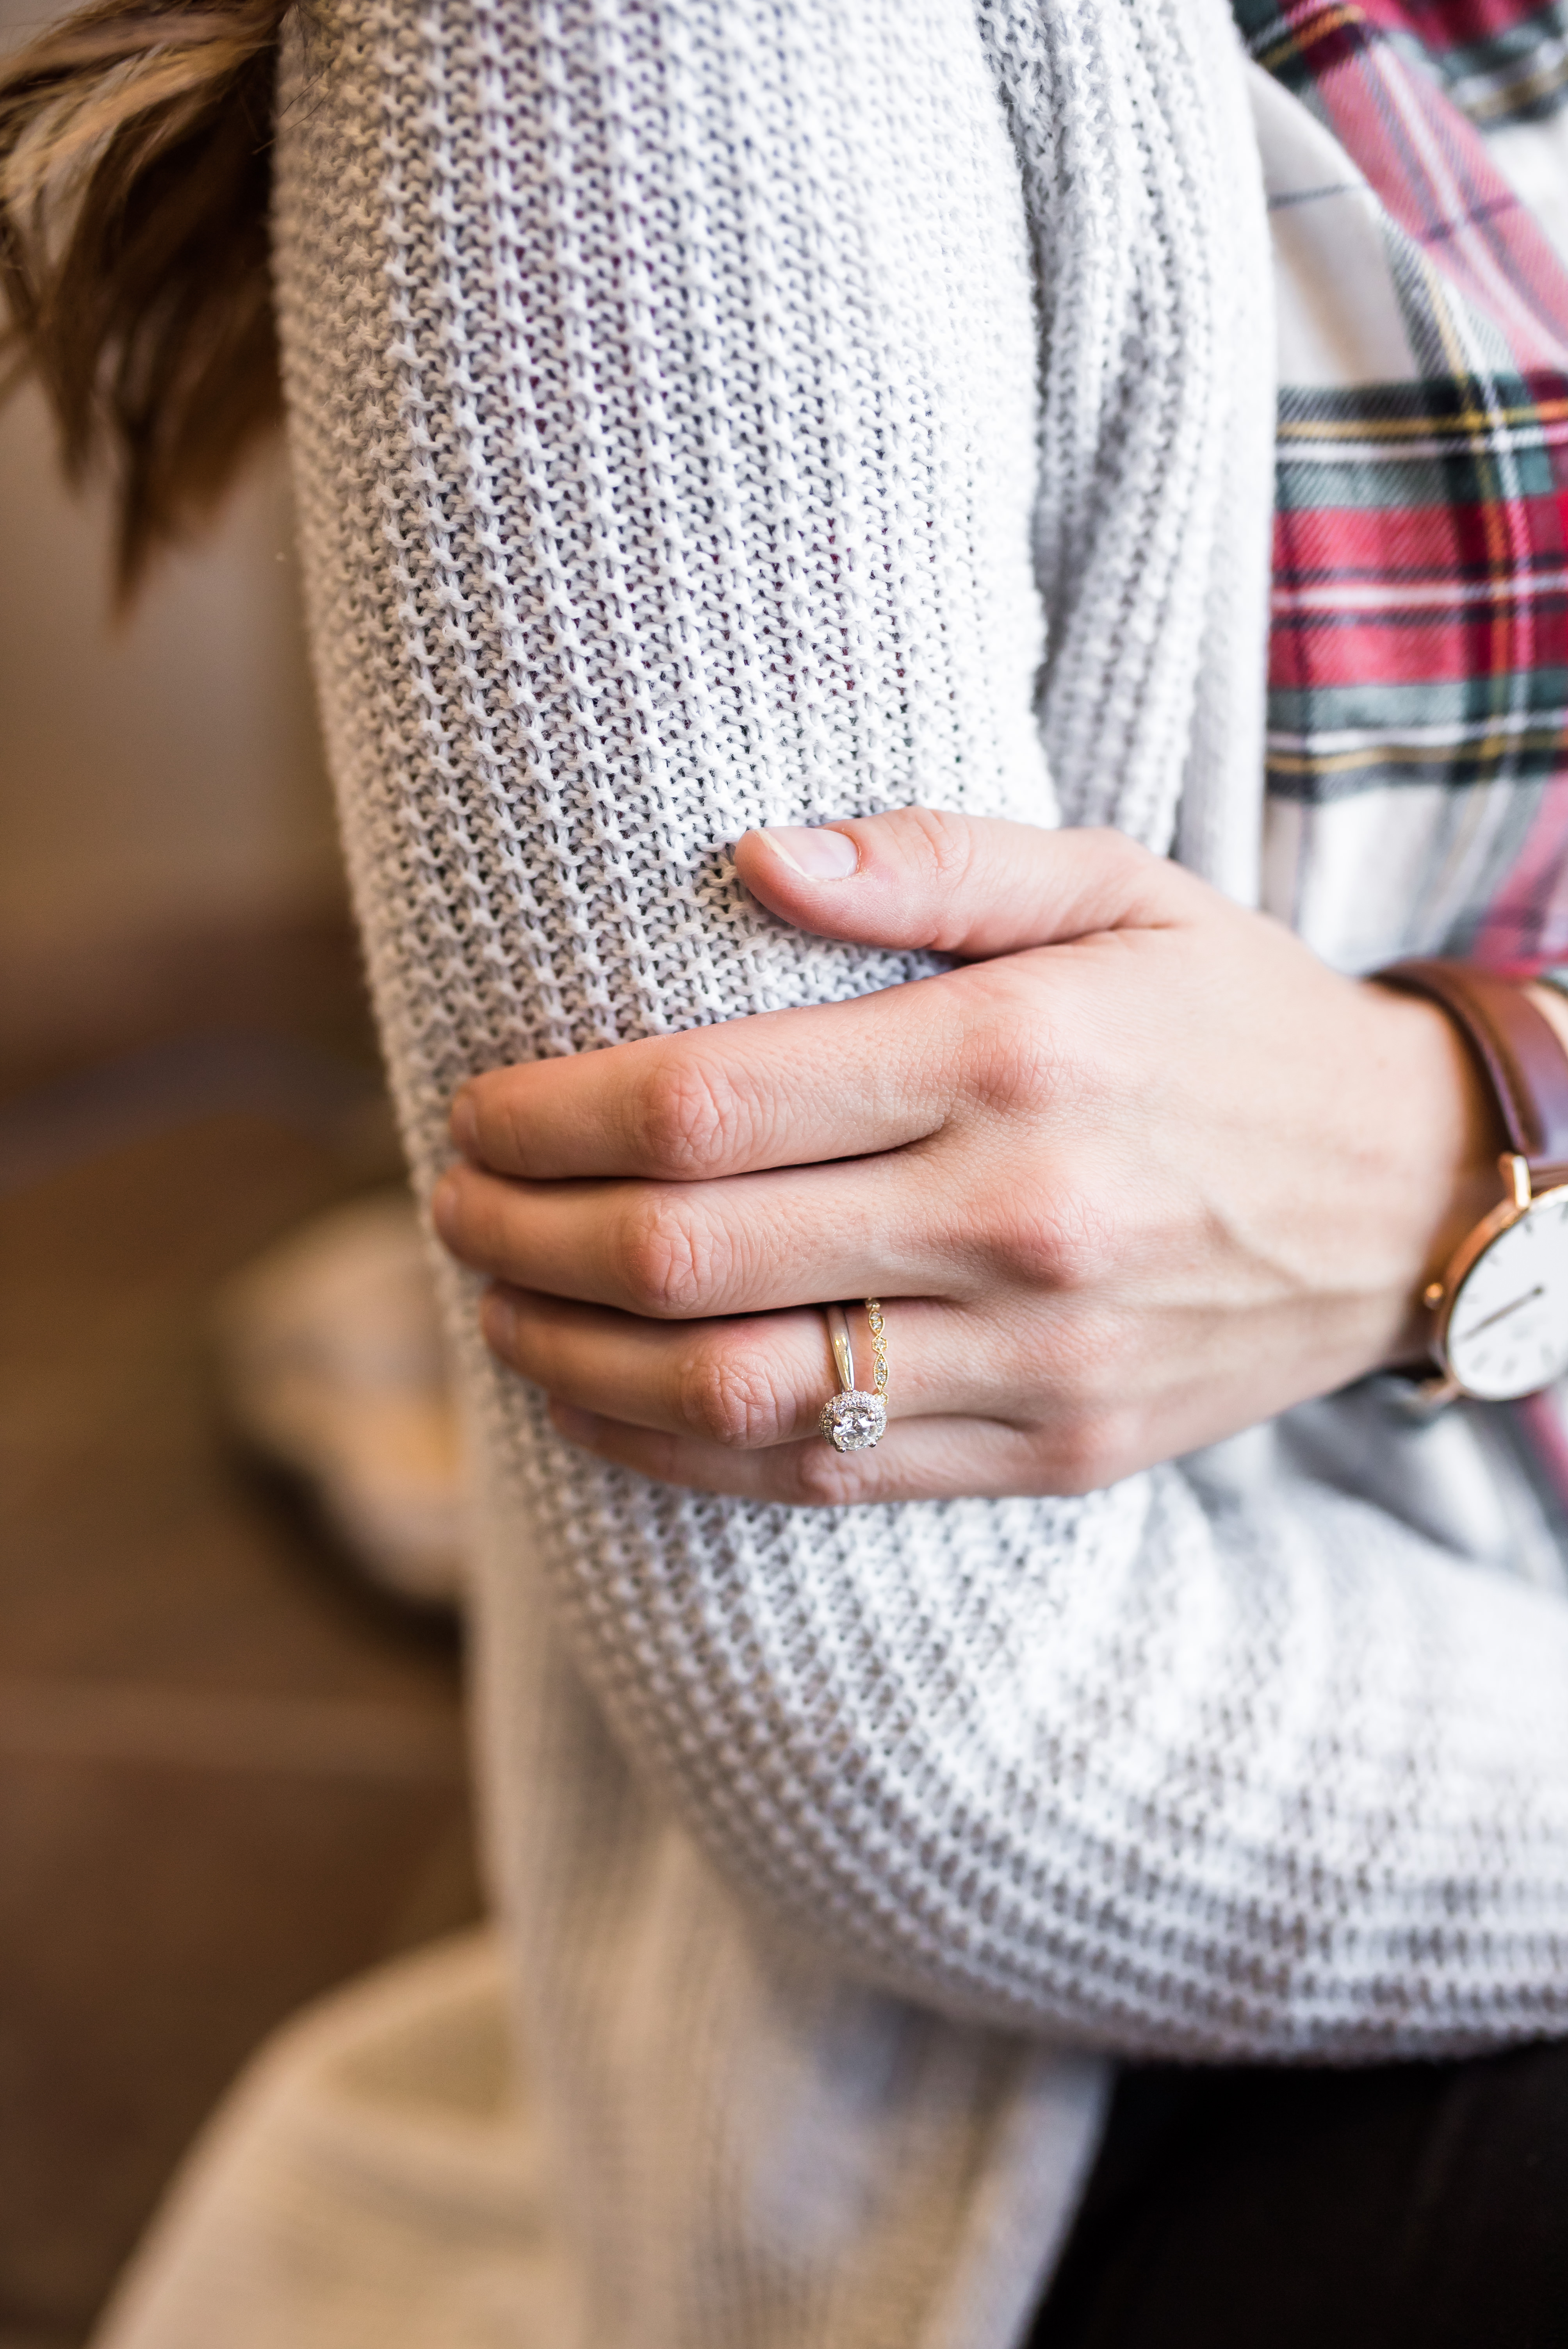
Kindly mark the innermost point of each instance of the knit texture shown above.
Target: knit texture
(664, 386)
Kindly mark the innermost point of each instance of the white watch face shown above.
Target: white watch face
(1508, 1332)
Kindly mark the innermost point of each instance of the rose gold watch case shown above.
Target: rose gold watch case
(1442, 1295)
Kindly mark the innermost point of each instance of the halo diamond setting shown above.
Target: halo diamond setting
(853, 1421)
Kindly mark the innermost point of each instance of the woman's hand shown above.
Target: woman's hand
(1141, 1173)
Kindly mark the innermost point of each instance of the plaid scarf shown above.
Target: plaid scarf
(1418, 771)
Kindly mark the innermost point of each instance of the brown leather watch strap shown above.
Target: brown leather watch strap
(1518, 1049)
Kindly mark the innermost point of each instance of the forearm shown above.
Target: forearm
(1264, 1776)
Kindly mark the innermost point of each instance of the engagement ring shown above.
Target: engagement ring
(853, 1421)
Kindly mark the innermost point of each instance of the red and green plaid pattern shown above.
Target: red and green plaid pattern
(1420, 635)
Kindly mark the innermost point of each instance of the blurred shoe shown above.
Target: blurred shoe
(330, 1359)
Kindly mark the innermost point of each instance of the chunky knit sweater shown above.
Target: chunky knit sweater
(715, 412)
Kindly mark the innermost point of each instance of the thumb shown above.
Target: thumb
(966, 886)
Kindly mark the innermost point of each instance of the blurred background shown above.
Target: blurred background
(231, 1754)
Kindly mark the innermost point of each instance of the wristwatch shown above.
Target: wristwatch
(1501, 1305)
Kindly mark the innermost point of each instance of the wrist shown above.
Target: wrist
(1442, 1139)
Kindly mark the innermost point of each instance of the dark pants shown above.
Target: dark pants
(1420, 2206)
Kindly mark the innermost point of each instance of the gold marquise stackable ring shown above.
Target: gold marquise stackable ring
(854, 1418)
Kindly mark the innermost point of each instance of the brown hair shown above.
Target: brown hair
(134, 170)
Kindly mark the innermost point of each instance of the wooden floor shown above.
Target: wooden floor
(229, 1776)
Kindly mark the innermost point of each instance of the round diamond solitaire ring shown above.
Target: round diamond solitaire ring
(853, 1418)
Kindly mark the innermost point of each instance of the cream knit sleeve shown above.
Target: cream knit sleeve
(663, 376)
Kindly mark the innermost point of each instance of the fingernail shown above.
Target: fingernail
(814, 849)
(498, 1320)
(576, 1426)
(444, 1207)
(464, 1125)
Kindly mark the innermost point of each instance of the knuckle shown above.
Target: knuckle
(1023, 1047)
(1064, 1238)
(664, 1259)
(1020, 1066)
(941, 841)
(730, 1395)
(689, 1116)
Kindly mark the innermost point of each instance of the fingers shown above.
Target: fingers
(745, 1384)
(783, 1088)
(918, 1460)
(734, 1406)
(685, 1251)
(789, 1088)
(968, 885)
